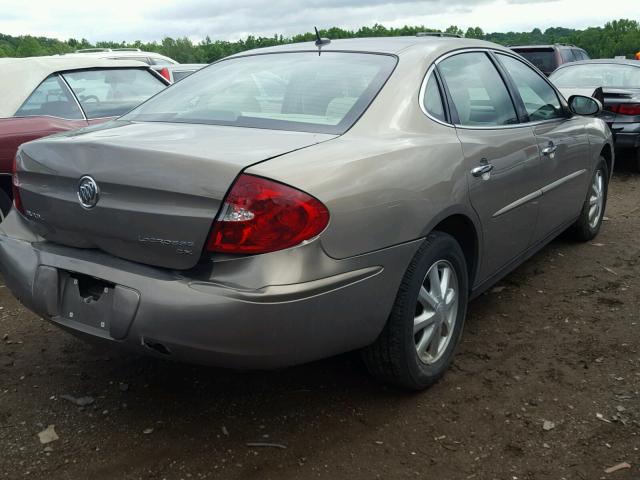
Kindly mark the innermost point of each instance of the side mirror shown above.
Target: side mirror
(587, 106)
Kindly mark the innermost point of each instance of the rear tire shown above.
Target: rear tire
(590, 220)
(417, 344)
(636, 159)
(5, 203)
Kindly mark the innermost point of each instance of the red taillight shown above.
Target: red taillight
(15, 186)
(625, 108)
(165, 73)
(261, 216)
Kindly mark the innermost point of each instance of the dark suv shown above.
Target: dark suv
(549, 57)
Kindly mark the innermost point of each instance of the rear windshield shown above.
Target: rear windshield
(300, 91)
(598, 75)
(112, 92)
(543, 58)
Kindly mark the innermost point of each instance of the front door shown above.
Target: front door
(562, 143)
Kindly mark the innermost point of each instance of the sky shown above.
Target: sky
(147, 20)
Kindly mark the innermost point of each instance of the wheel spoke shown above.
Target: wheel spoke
(600, 184)
(450, 297)
(434, 279)
(423, 321)
(435, 341)
(427, 300)
(425, 340)
(444, 282)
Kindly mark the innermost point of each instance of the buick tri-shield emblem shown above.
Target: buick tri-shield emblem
(88, 192)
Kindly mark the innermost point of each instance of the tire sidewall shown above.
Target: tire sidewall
(441, 247)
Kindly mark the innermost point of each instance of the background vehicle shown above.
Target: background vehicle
(617, 84)
(150, 58)
(549, 57)
(45, 95)
(177, 72)
(286, 204)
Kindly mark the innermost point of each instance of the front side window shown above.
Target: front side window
(479, 95)
(300, 91)
(433, 99)
(112, 92)
(540, 99)
(51, 98)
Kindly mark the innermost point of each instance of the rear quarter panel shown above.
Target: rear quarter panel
(388, 180)
(600, 137)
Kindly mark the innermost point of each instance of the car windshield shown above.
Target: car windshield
(609, 75)
(112, 92)
(300, 91)
(543, 58)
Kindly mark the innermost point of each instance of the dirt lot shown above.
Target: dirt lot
(558, 340)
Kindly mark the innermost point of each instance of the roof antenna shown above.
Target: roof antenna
(320, 41)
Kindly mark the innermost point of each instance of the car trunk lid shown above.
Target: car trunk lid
(160, 185)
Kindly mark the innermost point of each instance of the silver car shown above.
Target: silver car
(292, 203)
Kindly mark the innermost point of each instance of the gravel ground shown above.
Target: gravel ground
(545, 385)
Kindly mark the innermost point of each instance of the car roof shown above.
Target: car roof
(19, 77)
(386, 45)
(551, 45)
(119, 54)
(181, 66)
(612, 61)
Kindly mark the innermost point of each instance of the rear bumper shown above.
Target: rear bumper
(208, 321)
(626, 135)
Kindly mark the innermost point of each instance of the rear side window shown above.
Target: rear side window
(112, 92)
(479, 95)
(432, 99)
(300, 91)
(51, 98)
(540, 99)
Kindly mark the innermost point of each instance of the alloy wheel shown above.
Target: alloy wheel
(436, 312)
(596, 199)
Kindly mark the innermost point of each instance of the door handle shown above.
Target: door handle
(482, 170)
(550, 149)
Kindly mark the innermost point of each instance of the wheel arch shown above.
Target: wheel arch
(607, 153)
(465, 231)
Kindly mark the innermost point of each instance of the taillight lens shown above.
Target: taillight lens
(261, 216)
(15, 186)
(625, 108)
(165, 73)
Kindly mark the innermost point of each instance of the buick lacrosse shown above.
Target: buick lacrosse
(292, 203)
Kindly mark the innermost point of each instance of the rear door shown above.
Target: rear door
(562, 144)
(501, 156)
